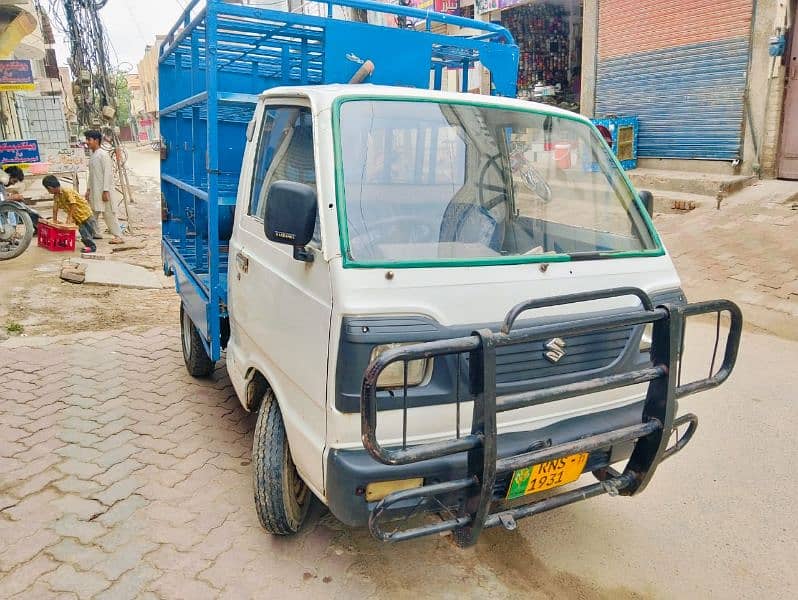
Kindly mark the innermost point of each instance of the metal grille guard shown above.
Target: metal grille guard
(652, 435)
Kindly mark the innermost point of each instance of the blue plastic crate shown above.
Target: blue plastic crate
(625, 135)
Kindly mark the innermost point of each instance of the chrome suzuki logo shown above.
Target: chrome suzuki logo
(555, 350)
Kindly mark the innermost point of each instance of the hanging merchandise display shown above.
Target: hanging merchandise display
(549, 40)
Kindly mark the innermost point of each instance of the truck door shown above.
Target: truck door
(280, 307)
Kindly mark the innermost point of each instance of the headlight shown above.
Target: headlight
(394, 375)
(645, 341)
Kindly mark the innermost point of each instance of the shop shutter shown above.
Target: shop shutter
(680, 66)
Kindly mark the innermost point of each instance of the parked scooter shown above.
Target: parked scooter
(18, 223)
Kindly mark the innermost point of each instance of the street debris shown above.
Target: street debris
(93, 256)
(113, 273)
(73, 272)
(127, 247)
(684, 205)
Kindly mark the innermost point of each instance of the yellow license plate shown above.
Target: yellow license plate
(547, 475)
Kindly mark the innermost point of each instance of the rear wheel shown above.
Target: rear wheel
(282, 499)
(198, 363)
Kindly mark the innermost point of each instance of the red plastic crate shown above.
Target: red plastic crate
(56, 237)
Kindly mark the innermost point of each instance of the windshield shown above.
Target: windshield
(444, 182)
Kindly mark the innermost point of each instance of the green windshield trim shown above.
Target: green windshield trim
(340, 193)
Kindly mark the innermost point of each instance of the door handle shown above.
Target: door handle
(242, 260)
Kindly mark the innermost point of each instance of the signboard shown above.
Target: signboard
(67, 160)
(483, 6)
(19, 152)
(451, 7)
(16, 75)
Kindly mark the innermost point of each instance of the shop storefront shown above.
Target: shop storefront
(549, 38)
(683, 74)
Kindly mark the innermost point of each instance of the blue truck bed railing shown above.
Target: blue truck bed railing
(217, 59)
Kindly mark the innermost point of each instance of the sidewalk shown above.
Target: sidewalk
(746, 252)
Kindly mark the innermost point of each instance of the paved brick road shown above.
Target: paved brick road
(745, 252)
(122, 477)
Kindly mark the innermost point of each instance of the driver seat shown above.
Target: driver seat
(470, 223)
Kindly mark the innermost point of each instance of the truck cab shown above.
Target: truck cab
(372, 219)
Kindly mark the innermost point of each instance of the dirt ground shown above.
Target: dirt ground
(33, 296)
(712, 261)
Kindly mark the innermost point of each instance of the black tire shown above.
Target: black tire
(167, 270)
(198, 363)
(16, 233)
(282, 499)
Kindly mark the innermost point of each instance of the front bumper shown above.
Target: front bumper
(466, 501)
(350, 471)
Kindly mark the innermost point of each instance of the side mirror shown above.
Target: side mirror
(648, 201)
(291, 216)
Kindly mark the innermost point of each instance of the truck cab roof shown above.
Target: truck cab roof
(323, 96)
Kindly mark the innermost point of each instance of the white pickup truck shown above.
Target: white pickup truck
(436, 313)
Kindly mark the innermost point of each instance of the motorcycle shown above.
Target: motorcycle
(18, 224)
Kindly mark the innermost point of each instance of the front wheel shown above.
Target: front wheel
(198, 363)
(16, 231)
(282, 499)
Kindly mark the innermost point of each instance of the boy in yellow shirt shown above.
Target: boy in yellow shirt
(77, 209)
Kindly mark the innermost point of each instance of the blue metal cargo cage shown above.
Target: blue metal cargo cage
(216, 61)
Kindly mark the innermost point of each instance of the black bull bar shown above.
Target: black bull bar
(651, 435)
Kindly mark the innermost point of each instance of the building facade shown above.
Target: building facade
(148, 81)
(706, 78)
(70, 108)
(142, 128)
(33, 107)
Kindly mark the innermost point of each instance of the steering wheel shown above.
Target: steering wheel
(481, 186)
